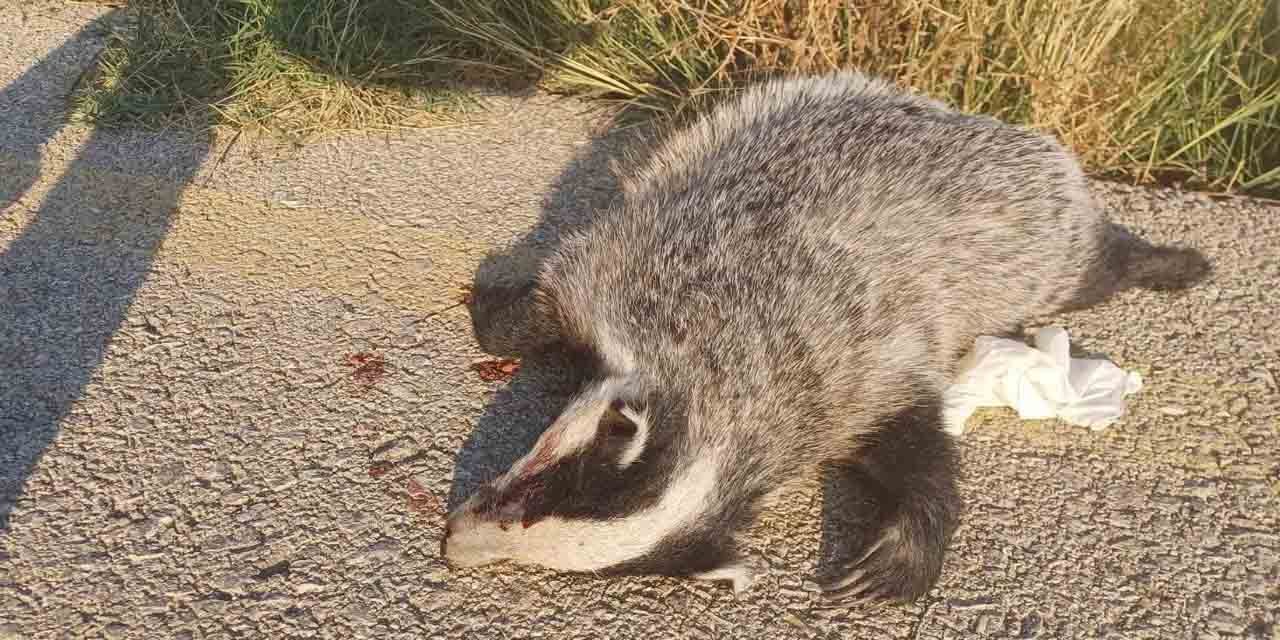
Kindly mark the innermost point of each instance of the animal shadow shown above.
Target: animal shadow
(512, 421)
(520, 411)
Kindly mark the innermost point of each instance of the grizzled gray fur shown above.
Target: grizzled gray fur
(785, 288)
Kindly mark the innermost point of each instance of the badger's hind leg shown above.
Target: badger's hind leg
(910, 472)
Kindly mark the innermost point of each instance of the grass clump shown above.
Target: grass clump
(1143, 89)
(299, 68)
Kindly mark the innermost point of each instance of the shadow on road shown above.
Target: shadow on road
(68, 279)
(522, 409)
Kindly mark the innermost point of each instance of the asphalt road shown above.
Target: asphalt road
(189, 450)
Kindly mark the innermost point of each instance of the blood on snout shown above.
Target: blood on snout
(523, 498)
(532, 494)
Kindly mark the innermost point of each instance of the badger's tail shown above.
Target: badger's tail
(1158, 268)
(1126, 261)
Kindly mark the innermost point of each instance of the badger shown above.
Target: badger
(783, 289)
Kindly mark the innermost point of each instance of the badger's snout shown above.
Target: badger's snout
(476, 532)
(464, 542)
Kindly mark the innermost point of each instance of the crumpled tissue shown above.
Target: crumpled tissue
(1039, 383)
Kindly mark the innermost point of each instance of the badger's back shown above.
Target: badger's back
(840, 215)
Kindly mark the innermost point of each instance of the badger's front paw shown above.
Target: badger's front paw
(900, 564)
(909, 470)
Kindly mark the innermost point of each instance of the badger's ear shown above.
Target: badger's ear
(622, 432)
(619, 422)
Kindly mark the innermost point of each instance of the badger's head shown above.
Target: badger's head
(618, 484)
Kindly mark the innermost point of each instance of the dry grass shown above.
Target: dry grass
(1144, 89)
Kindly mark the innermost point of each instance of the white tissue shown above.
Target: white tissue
(1039, 383)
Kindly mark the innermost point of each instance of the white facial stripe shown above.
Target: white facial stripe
(589, 545)
(573, 431)
(578, 425)
(637, 444)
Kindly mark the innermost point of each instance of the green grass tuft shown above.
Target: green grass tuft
(1147, 90)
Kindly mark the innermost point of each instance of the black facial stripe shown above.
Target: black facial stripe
(708, 543)
(682, 554)
(590, 485)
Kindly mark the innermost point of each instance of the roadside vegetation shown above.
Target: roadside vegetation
(1143, 90)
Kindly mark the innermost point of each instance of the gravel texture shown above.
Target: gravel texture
(187, 449)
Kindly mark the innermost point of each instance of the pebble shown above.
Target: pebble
(1234, 610)
(973, 604)
(792, 620)
(1030, 626)
(1266, 377)
(234, 584)
(1226, 624)
(435, 600)
(1238, 405)
(1204, 492)
(402, 392)
(396, 448)
(380, 551)
(988, 624)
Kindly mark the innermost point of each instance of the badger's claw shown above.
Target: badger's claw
(892, 569)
